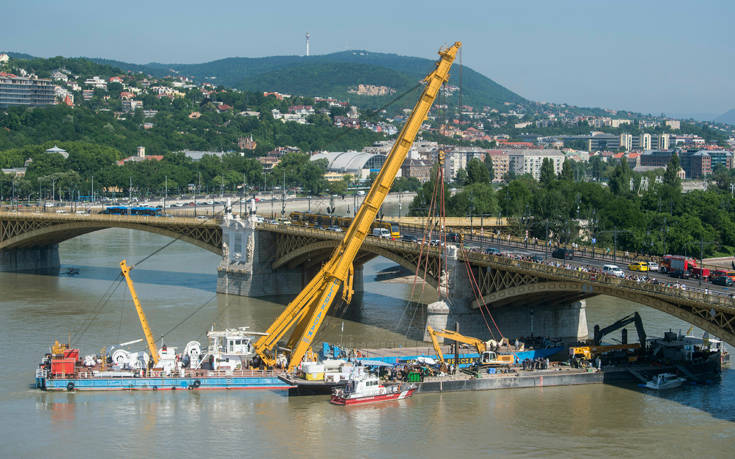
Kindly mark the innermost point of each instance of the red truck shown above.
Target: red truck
(677, 263)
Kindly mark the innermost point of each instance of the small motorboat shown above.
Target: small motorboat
(664, 381)
(72, 271)
(367, 388)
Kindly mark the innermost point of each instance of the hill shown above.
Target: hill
(728, 117)
(329, 74)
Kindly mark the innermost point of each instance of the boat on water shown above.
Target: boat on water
(367, 388)
(228, 363)
(663, 381)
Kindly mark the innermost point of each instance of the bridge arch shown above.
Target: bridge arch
(301, 254)
(549, 290)
(57, 233)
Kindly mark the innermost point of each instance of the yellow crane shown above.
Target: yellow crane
(141, 315)
(486, 357)
(308, 310)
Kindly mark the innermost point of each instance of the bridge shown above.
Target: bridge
(269, 259)
(29, 241)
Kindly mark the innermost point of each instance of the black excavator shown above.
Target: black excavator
(631, 318)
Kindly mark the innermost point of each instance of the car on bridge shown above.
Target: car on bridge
(537, 258)
(613, 270)
(725, 281)
(638, 266)
(492, 251)
(409, 238)
(681, 274)
(652, 266)
(563, 253)
(334, 228)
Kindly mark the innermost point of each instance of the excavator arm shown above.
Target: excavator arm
(309, 309)
(435, 343)
(632, 318)
(454, 336)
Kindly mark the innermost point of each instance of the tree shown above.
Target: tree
(547, 172)
(567, 170)
(620, 179)
(489, 166)
(671, 176)
(477, 172)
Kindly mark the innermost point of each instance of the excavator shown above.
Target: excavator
(306, 313)
(597, 348)
(487, 358)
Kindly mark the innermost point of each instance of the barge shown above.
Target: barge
(228, 362)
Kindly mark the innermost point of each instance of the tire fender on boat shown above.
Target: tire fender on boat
(70, 386)
(196, 383)
(155, 388)
(190, 387)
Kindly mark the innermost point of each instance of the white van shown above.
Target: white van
(381, 232)
(613, 270)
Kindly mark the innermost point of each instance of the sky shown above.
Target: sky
(647, 56)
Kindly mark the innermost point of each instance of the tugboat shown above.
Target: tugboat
(367, 388)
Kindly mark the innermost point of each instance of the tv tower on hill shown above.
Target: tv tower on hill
(308, 35)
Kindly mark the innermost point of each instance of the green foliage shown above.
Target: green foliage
(477, 172)
(547, 173)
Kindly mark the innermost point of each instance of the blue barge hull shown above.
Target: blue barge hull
(162, 383)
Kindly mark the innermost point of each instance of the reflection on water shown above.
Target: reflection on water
(557, 421)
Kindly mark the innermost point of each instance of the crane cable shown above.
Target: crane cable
(107, 295)
(478, 294)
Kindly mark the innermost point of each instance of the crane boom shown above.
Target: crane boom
(308, 310)
(141, 315)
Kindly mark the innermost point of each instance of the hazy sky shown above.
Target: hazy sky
(648, 56)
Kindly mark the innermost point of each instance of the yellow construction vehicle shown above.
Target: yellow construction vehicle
(590, 352)
(308, 310)
(486, 357)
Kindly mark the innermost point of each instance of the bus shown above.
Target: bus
(148, 211)
(115, 210)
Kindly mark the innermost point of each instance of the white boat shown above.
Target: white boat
(664, 381)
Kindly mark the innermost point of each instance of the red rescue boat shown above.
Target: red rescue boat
(368, 389)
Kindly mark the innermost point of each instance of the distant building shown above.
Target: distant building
(58, 150)
(721, 158)
(141, 156)
(130, 105)
(673, 124)
(196, 155)
(501, 164)
(417, 168)
(696, 164)
(15, 171)
(356, 163)
(530, 161)
(247, 143)
(656, 158)
(30, 92)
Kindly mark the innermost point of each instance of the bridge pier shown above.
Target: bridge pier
(566, 321)
(44, 258)
(247, 259)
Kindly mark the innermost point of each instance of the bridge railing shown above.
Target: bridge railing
(142, 219)
(713, 298)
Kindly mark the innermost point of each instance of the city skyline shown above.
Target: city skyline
(672, 57)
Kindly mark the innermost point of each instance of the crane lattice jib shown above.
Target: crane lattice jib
(308, 310)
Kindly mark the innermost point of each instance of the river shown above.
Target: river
(597, 420)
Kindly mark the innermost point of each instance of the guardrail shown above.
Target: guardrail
(711, 297)
(140, 219)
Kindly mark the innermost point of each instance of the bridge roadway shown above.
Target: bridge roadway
(502, 280)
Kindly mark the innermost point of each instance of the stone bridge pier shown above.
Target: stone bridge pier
(36, 259)
(247, 264)
(539, 316)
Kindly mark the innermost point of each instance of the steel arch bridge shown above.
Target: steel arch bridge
(20, 230)
(502, 281)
